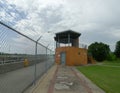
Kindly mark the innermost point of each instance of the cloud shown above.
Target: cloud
(97, 20)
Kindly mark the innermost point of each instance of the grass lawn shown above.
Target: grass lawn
(112, 63)
(107, 78)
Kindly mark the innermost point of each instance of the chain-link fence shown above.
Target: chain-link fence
(22, 61)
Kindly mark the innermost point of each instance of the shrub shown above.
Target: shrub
(111, 57)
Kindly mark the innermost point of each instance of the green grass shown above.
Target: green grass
(112, 63)
(107, 78)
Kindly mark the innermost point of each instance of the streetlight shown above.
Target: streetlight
(53, 41)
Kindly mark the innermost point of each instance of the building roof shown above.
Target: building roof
(62, 37)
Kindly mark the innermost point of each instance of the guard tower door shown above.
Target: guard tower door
(63, 58)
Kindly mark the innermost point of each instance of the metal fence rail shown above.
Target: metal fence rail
(22, 62)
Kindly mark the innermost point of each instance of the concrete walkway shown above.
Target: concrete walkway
(64, 79)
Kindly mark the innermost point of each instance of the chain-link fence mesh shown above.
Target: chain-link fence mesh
(20, 67)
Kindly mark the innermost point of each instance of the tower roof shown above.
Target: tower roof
(62, 37)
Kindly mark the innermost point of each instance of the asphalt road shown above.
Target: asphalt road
(16, 81)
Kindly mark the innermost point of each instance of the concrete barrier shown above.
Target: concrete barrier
(10, 67)
(17, 65)
(4, 68)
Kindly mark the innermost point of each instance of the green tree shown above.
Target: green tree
(99, 51)
(117, 49)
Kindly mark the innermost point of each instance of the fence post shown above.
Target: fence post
(35, 62)
(46, 58)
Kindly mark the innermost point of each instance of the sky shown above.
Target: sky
(96, 20)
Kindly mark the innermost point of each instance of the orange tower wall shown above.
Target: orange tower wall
(74, 56)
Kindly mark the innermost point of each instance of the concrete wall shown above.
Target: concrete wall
(74, 56)
(10, 67)
(13, 66)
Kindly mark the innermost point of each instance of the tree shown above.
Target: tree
(99, 51)
(117, 49)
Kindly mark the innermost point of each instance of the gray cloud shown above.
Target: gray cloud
(97, 20)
